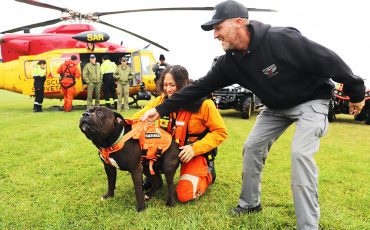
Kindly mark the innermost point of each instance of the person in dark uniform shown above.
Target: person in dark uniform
(159, 67)
(39, 76)
(292, 76)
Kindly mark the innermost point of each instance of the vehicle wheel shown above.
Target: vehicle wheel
(361, 116)
(331, 113)
(247, 108)
(367, 119)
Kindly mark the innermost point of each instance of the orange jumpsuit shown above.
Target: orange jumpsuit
(69, 68)
(207, 117)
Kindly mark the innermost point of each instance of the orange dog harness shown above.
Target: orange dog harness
(153, 142)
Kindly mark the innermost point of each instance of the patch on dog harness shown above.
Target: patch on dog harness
(152, 135)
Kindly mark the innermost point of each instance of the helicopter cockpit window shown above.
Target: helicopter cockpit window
(55, 63)
(28, 68)
(146, 65)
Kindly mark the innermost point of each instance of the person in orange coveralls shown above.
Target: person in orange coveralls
(198, 128)
(69, 71)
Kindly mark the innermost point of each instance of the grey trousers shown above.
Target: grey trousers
(311, 124)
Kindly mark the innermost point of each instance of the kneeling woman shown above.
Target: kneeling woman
(198, 129)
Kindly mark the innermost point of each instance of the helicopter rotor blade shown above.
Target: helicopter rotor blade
(152, 9)
(40, 4)
(173, 9)
(261, 10)
(136, 35)
(45, 23)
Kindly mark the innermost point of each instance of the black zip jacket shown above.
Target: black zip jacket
(281, 67)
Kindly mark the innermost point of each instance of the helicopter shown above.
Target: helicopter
(20, 52)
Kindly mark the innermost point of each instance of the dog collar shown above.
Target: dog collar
(117, 145)
(120, 136)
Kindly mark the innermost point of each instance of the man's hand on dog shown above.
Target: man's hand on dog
(186, 154)
(150, 115)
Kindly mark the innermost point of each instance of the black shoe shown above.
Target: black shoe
(147, 184)
(239, 210)
(37, 108)
(212, 170)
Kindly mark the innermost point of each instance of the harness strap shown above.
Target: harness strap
(179, 126)
(119, 143)
(151, 162)
(63, 75)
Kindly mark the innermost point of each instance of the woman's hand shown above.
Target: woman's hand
(186, 154)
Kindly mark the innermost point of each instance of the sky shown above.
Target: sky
(339, 25)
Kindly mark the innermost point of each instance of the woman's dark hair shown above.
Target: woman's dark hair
(41, 62)
(180, 75)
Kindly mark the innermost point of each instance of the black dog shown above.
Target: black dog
(103, 127)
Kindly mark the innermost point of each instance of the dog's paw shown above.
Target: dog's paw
(146, 197)
(107, 196)
(170, 203)
(140, 209)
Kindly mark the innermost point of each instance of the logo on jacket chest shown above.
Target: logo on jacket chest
(270, 71)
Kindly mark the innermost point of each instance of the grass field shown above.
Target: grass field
(51, 178)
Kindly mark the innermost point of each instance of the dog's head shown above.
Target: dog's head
(100, 124)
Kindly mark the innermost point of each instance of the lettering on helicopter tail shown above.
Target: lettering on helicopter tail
(91, 36)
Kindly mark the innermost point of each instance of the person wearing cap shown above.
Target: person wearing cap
(159, 67)
(92, 77)
(292, 76)
(109, 84)
(123, 74)
(69, 71)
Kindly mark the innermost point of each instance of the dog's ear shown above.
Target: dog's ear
(119, 119)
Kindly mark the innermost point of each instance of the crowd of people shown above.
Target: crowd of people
(112, 80)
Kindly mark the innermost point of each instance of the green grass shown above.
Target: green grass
(51, 178)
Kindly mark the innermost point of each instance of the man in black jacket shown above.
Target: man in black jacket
(292, 76)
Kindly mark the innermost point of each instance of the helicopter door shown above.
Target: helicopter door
(136, 66)
(147, 74)
(143, 62)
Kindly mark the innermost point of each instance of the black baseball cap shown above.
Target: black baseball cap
(225, 10)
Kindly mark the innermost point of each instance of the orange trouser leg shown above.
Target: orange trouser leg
(68, 98)
(194, 179)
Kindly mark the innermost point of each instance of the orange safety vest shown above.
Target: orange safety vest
(180, 128)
